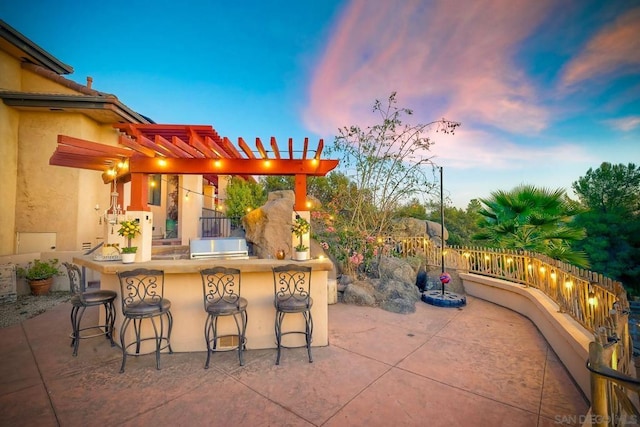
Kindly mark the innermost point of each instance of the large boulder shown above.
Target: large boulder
(419, 227)
(399, 269)
(268, 227)
(359, 293)
(397, 296)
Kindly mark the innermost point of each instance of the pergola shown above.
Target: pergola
(187, 150)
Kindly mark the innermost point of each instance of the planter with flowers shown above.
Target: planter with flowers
(129, 230)
(300, 228)
(39, 275)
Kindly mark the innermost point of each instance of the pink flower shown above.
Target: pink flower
(324, 245)
(331, 230)
(356, 259)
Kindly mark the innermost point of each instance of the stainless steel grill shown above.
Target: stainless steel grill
(219, 248)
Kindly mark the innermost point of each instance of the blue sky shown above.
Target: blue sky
(544, 89)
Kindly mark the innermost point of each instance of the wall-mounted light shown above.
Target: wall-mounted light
(568, 284)
(162, 162)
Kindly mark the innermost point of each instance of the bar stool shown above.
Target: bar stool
(221, 287)
(292, 287)
(142, 293)
(80, 300)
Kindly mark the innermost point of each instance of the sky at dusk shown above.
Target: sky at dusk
(544, 89)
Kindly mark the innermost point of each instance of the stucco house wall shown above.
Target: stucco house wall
(37, 197)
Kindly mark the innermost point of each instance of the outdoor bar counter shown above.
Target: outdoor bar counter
(183, 287)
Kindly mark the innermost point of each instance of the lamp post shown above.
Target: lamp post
(442, 227)
(442, 298)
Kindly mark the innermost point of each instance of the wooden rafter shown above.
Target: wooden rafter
(186, 147)
(319, 150)
(274, 147)
(128, 142)
(261, 149)
(243, 145)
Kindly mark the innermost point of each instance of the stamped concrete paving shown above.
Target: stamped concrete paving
(482, 365)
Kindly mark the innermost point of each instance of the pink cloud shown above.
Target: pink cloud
(469, 149)
(625, 124)
(615, 49)
(443, 59)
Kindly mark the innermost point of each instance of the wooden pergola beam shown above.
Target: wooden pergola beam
(172, 148)
(93, 146)
(186, 147)
(128, 142)
(232, 166)
(274, 147)
(243, 145)
(261, 149)
(319, 150)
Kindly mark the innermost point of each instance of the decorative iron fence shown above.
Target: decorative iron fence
(584, 295)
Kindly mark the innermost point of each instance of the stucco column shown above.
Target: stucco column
(143, 240)
(190, 206)
(223, 181)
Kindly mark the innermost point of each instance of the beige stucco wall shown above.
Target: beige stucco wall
(9, 119)
(37, 197)
(8, 177)
(54, 198)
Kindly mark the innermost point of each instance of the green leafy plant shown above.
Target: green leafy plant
(129, 250)
(300, 228)
(40, 270)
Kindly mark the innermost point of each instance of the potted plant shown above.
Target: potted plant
(39, 275)
(300, 228)
(129, 230)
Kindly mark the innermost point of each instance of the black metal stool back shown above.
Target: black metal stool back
(80, 300)
(292, 289)
(221, 288)
(142, 297)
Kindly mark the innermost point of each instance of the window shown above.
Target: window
(155, 186)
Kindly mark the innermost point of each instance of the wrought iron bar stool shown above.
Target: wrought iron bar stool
(292, 287)
(221, 287)
(142, 298)
(80, 300)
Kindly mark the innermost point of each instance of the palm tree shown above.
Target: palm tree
(532, 219)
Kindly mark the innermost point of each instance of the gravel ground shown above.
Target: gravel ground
(27, 306)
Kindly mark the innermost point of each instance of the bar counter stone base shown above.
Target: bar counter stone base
(183, 287)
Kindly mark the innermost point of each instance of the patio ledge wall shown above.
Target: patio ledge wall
(569, 340)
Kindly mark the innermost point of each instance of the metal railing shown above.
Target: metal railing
(614, 392)
(598, 303)
(217, 224)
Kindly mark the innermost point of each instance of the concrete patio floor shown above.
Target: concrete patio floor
(481, 365)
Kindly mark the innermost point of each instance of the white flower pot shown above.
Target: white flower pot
(300, 256)
(128, 258)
